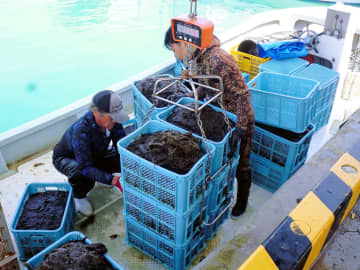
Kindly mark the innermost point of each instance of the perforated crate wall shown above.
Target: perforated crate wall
(30, 242)
(221, 147)
(35, 261)
(246, 62)
(284, 66)
(269, 175)
(279, 150)
(283, 101)
(325, 94)
(174, 191)
(177, 228)
(177, 257)
(142, 105)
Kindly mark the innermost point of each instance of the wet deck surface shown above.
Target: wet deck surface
(108, 226)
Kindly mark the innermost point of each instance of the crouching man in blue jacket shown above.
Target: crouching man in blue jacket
(84, 153)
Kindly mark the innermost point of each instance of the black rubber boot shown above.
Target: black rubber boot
(243, 190)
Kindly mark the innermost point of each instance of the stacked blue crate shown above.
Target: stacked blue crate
(325, 94)
(142, 105)
(283, 101)
(30, 242)
(36, 261)
(284, 66)
(221, 187)
(163, 205)
(274, 158)
(221, 147)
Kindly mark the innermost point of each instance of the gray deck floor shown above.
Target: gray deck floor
(108, 226)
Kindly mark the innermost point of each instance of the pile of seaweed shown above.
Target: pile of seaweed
(213, 122)
(76, 255)
(173, 93)
(170, 149)
(43, 211)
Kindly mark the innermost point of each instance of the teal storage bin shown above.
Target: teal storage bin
(30, 242)
(173, 256)
(142, 105)
(284, 66)
(221, 147)
(274, 158)
(325, 94)
(36, 261)
(283, 101)
(176, 192)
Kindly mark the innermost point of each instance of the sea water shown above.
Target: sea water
(55, 52)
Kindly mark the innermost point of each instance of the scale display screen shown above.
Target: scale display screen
(187, 30)
(188, 33)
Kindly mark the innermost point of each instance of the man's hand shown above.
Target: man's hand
(234, 139)
(115, 180)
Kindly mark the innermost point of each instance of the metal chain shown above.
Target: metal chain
(147, 114)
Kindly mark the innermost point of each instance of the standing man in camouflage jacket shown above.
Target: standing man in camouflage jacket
(216, 61)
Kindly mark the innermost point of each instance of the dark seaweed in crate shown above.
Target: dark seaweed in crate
(286, 134)
(43, 211)
(76, 255)
(173, 93)
(172, 150)
(213, 122)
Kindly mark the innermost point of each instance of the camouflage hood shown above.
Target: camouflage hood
(214, 43)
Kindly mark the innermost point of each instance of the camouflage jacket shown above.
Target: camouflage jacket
(216, 61)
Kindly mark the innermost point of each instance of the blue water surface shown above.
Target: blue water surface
(54, 52)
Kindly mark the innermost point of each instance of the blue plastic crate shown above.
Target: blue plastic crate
(35, 261)
(283, 101)
(246, 76)
(177, 192)
(322, 118)
(142, 105)
(280, 150)
(269, 175)
(177, 257)
(30, 242)
(176, 228)
(221, 148)
(325, 94)
(284, 66)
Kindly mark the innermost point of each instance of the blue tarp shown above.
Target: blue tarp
(282, 49)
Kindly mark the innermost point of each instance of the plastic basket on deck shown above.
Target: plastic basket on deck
(221, 147)
(325, 94)
(177, 257)
(284, 66)
(283, 101)
(175, 191)
(246, 62)
(142, 105)
(30, 242)
(36, 261)
(274, 158)
(174, 227)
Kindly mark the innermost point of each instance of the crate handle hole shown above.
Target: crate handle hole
(349, 169)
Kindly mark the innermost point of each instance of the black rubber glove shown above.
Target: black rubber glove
(234, 139)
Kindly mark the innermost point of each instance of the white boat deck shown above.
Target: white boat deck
(108, 226)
